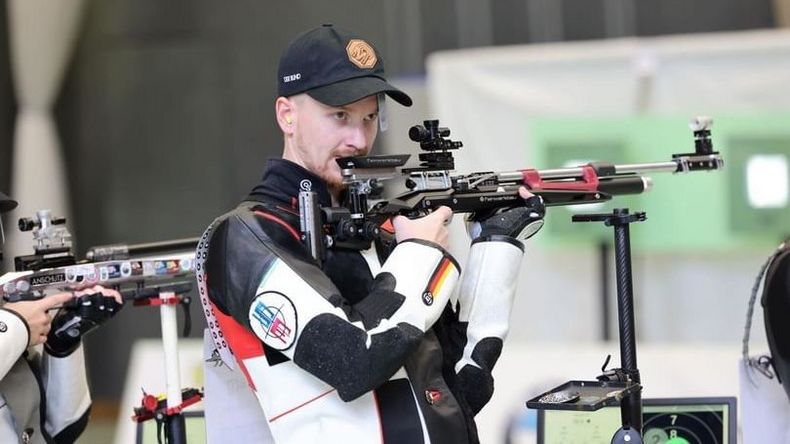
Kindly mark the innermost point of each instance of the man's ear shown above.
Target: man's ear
(285, 112)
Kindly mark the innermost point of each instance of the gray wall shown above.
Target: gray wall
(7, 105)
(166, 112)
(166, 118)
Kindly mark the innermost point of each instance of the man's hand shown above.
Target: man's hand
(431, 228)
(35, 314)
(106, 292)
(519, 222)
(94, 307)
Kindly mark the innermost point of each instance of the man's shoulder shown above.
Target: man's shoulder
(235, 238)
(253, 221)
(232, 221)
(272, 220)
(236, 217)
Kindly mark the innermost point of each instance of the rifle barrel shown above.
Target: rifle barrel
(578, 172)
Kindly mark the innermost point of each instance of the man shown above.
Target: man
(354, 350)
(44, 394)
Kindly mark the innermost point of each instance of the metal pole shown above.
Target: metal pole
(603, 261)
(175, 430)
(631, 406)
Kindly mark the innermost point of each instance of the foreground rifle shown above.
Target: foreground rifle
(138, 279)
(137, 271)
(129, 276)
(430, 185)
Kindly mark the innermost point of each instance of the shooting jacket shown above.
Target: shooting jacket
(370, 347)
(43, 399)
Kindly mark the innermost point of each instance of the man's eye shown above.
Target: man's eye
(371, 117)
(341, 115)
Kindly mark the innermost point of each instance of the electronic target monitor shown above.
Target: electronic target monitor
(665, 421)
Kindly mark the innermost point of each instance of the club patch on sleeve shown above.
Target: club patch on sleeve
(273, 318)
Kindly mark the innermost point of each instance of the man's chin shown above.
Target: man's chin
(335, 188)
(334, 183)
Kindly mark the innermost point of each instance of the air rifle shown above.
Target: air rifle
(356, 224)
(137, 271)
(129, 275)
(141, 279)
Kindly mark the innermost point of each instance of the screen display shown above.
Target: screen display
(665, 421)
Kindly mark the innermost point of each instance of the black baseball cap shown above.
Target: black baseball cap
(6, 203)
(334, 67)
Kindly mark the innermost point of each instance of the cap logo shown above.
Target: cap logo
(361, 53)
(292, 77)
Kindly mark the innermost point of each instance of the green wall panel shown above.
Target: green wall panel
(685, 212)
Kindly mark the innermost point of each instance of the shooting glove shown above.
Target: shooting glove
(75, 320)
(519, 223)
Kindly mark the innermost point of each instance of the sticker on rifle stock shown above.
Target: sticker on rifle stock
(273, 318)
(110, 271)
(77, 274)
(48, 279)
(186, 264)
(126, 269)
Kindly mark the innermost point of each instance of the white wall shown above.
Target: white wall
(487, 95)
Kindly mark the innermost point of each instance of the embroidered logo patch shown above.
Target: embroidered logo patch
(273, 319)
(427, 298)
(361, 53)
(3, 327)
(433, 396)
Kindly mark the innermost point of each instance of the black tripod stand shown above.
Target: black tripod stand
(621, 385)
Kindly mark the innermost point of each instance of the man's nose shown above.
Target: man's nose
(357, 138)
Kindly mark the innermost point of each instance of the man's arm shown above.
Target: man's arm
(68, 399)
(24, 324)
(295, 310)
(63, 375)
(485, 299)
(486, 293)
(14, 337)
